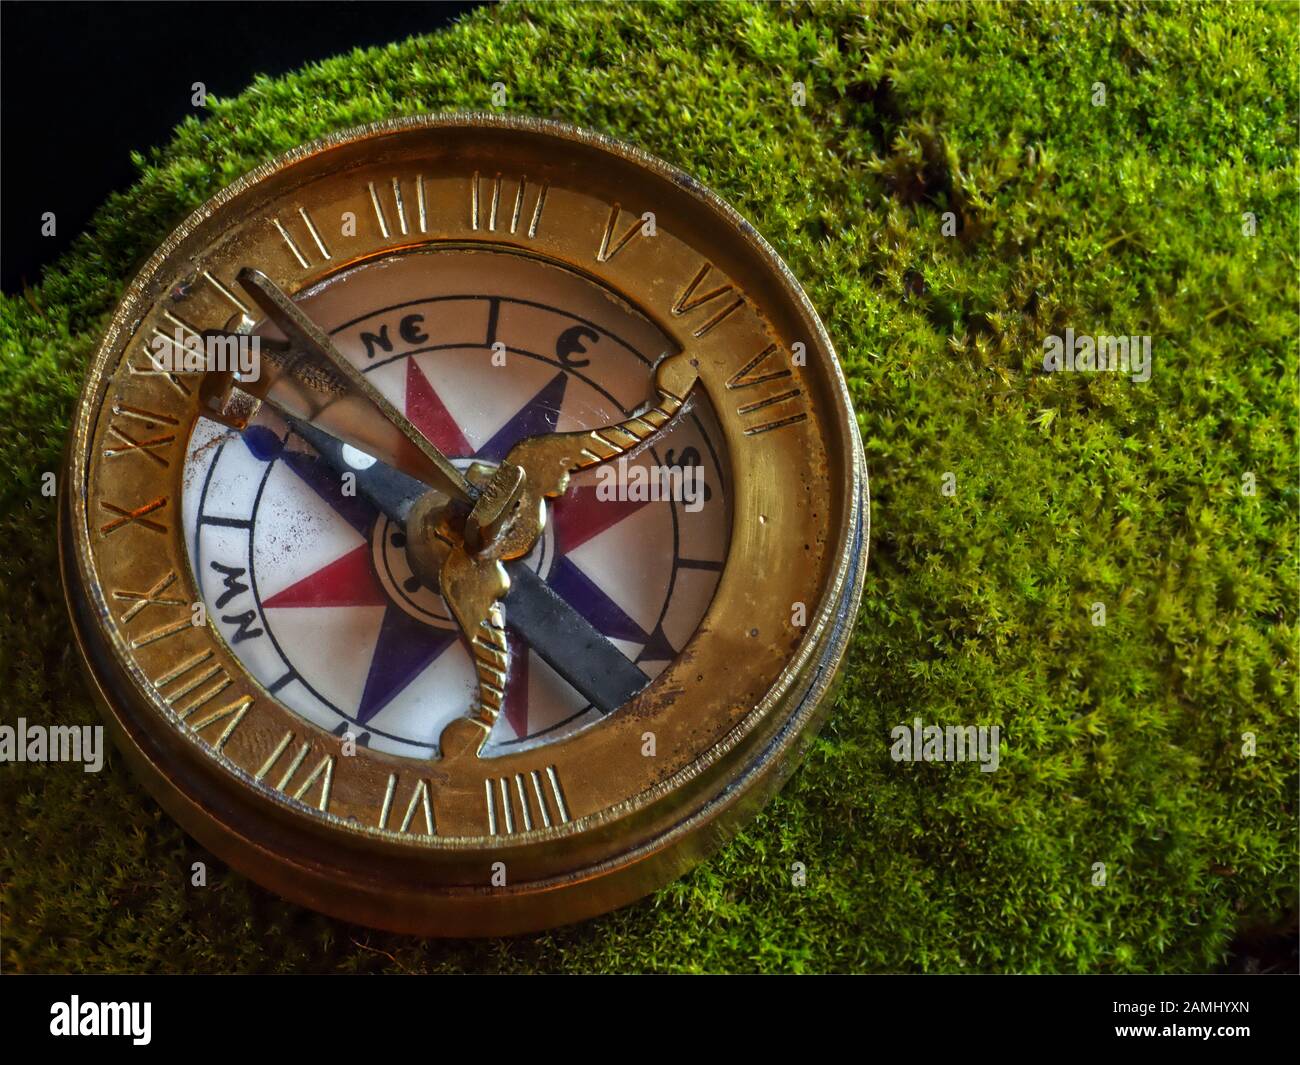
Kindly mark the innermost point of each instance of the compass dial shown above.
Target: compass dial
(312, 588)
(464, 522)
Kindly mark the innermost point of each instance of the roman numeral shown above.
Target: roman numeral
(488, 210)
(323, 772)
(152, 367)
(609, 247)
(152, 597)
(147, 448)
(420, 805)
(399, 209)
(198, 676)
(759, 371)
(152, 370)
(297, 247)
(750, 374)
(512, 802)
(720, 297)
(135, 516)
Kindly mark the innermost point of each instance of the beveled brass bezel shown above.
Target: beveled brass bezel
(729, 714)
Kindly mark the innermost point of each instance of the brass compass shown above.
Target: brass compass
(463, 523)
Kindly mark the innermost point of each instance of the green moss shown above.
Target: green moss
(1122, 742)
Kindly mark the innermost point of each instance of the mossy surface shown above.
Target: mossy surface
(1122, 743)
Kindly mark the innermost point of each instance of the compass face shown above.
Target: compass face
(513, 573)
(312, 589)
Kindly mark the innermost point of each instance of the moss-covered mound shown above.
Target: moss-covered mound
(961, 182)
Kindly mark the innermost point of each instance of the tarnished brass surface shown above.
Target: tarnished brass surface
(589, 822)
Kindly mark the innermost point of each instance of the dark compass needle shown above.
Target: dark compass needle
(566, 640)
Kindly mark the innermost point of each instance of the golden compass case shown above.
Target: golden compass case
(464, 522)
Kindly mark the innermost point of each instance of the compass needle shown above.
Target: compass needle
(563, 638)
(302, 330)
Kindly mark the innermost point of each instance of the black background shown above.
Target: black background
(82, 85)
